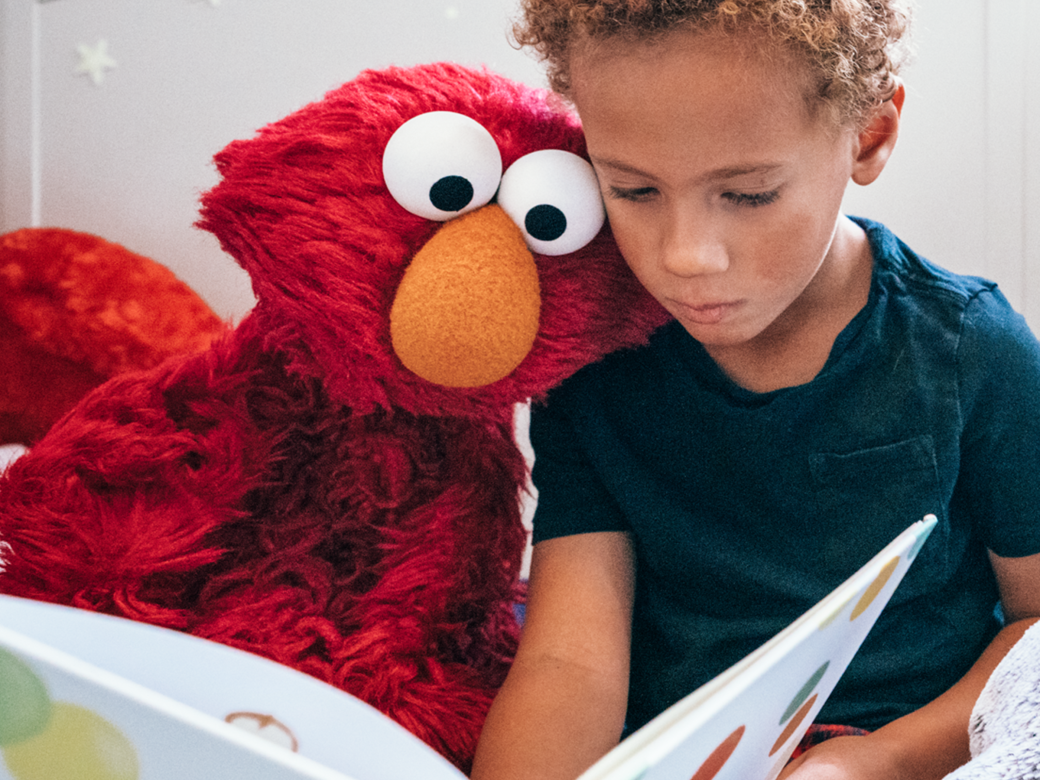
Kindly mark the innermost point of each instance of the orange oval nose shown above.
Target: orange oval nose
(466, 311)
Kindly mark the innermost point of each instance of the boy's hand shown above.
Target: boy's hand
(844, 758)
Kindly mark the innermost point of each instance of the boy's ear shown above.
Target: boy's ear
(878, 139)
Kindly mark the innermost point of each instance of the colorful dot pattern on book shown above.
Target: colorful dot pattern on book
(775, 743)
(803, 694)
(42, 739)
(875, 587)
(157, 704)
(719, 756)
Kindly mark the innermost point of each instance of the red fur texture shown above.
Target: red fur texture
(294, 490)
(76, 310)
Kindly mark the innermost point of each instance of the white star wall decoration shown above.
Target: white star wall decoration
(94, 61)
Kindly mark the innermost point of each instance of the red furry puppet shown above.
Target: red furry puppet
(335, 483)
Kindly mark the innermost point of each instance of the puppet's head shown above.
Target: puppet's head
(429, 239)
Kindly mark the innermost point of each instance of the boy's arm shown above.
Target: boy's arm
(932, 741)
(563, 704)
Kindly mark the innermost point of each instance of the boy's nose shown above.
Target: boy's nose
(693, 248)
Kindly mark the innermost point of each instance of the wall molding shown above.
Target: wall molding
(1031, 167)
(1005, 146)
(19, 114)
(1012, 185)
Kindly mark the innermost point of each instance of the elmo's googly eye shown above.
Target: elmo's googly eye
(441, 164)
(552, 195)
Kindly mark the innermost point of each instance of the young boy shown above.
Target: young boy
(821, 388)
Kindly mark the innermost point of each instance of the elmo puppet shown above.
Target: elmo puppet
(335, 484)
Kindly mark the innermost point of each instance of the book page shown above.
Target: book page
(744, 724)
(132, 701)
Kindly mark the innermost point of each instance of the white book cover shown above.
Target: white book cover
(85, 696)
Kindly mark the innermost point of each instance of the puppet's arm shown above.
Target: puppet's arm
(110, 511)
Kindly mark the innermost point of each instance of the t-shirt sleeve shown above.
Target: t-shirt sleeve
(572, 498)
(999, 370)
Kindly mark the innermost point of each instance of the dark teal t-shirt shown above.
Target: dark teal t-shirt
(746, 508)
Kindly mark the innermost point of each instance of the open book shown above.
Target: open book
(85, 696)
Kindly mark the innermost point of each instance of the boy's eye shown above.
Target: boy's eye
(635, 194)
(752, 199)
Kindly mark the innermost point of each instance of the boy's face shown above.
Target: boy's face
(722, 191)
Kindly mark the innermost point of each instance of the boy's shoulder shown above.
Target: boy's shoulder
(895, 258)
(937, 298)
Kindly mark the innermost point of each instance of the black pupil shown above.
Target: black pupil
(546, 223)
(452, 193)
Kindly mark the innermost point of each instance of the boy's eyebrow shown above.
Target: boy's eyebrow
(742, 170)
(719, 174)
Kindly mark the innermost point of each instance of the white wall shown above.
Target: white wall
(128, 158)
(963, 187)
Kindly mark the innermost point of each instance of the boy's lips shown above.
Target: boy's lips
(706, 313)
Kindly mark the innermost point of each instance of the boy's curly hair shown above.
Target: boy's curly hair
(854, 48)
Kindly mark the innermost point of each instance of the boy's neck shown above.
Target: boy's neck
(794, 349)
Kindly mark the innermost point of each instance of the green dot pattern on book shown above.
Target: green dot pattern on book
(803, 693)
(43, 739)
(918, 544)
(25, 707)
